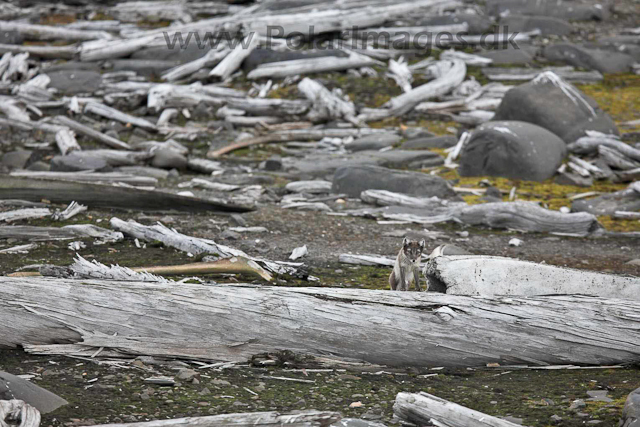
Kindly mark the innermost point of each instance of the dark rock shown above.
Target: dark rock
(168, 159)
(73, 66)
(189, 53)
(413, 133)
(12, 387)
(16, 159)
(239, 220)
(493, 192)
(273, 163)
(39, 166)
(10, 37)
(556, 105)
(75, 163)
(374, 142)
(631, 411)
(546, 24)
(266, 56)
(353, 180)
(627, 200)
(521, 56)
(570, 178)
(230, 235)
(445, 141)
(72, 82)
(478, 24)
(515, 150)
(150, 68)
(596, 11)
(601, 60)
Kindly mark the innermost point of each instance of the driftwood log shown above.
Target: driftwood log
(108, 196)
(487, 275)
(425, 409)
(309, 418)
(232, 323)
(16, 413)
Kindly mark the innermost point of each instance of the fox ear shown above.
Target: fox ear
(422, 243)
(405, 242)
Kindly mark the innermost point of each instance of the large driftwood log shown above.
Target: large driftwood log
(590, 144)
(425, 409)
(47, 52)
(67, 232)
(309, 418)
(232, 323)
(311, 65)
(488, 276)
(108, 196)
(113, 114)
(232, 61)
(326, 104)
(50, 33)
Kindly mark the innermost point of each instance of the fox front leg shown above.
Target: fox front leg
(416, 279)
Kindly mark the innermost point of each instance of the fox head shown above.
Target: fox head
(413, 249)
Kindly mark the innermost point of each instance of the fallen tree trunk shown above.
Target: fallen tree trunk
(488, 276)
(50, 33)
(308, 418)
(108, 196)
(425, 409)
(232, 323)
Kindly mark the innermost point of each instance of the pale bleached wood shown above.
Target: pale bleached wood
(423, 408)
(308, 418)
(50, 33)
(66, 141)
(374, 260)
(309, 66)
(113, 114)
(16, 413)
(468, 58)
(46, 52)
(310, 187)
(234, 59)
(270, 107)
(20, 214)
(13, 109)
(92, 133)
(326, 104)
(181, 71)
(68, 232)
(615, 159)
(440, 86)
(106, 177)
(590, 144)
(194, 245)
(232, 323)
(72, 210)
(526, 74)
(488, 276)
(401, 73)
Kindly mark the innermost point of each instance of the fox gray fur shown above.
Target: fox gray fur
(407, 267)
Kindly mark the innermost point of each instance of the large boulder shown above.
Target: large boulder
(72, 82)
(605, 61)
(584, 11)
(556, 105)
(353, 180)
(631, 411)
(516, 150)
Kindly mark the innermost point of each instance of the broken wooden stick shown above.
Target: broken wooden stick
(91, 133)
(233, 265)
(234, 322)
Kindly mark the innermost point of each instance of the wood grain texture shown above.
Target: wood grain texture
(232, 323)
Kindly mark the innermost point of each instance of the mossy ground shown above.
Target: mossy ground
(103, 394)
